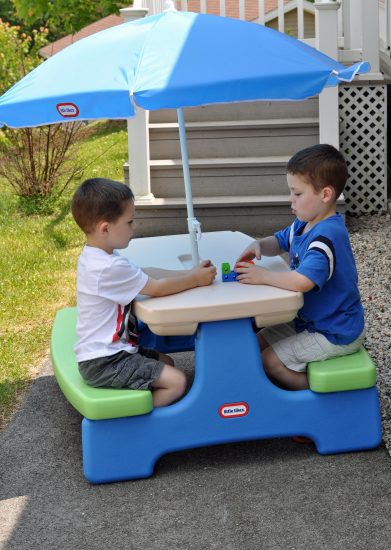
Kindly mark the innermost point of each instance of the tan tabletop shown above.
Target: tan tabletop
(180, 314)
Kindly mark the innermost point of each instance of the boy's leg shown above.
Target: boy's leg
(263, 344)
(279, 374)
(169, 387)
(275, 369)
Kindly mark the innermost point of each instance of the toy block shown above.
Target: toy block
(227, 275)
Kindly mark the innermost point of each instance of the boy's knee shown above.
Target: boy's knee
(181, 381)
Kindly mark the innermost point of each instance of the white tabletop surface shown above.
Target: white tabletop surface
(180, 314)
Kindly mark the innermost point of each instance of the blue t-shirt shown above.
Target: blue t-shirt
(324, 255)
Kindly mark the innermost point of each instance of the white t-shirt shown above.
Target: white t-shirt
(106, 286)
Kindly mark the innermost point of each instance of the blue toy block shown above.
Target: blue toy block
(227, 275)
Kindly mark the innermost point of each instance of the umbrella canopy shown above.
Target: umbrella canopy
(170, 60)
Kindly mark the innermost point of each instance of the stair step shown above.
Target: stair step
(222, 201)
(248, 214)
(245, 110)
(219, 176)
(260, 139)
(213, 202)
(236, 124)
(275, 160)
(253, 215)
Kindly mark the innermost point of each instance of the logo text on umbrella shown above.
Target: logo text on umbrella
(67, 110)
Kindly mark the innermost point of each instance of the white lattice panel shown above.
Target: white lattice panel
(363, 115)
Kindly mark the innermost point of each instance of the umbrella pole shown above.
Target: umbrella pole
(193, 224)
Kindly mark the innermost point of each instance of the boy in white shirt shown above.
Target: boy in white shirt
(107, 347)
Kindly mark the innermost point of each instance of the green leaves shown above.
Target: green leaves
(18, 53)
(65, 16)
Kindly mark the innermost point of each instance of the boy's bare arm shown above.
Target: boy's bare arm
(267, 246)
(289, 280)
(174, 281)
(159, 273)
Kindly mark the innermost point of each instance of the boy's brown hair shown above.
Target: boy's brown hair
(99, 199)
(320, 166)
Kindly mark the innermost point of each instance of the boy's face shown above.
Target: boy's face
(307, 204)
(120, 232)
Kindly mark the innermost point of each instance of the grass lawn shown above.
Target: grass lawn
(38, 263)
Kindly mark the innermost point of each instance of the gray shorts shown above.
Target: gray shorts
(136, 371)
(296, 349)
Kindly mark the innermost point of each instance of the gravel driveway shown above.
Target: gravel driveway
(371, 241)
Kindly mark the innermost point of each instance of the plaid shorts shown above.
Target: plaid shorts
(296, 349)
(136, 371)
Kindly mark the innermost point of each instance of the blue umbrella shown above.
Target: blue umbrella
(170, 60)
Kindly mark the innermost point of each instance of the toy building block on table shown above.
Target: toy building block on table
(227, 274)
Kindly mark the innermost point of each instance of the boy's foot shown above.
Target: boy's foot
(302, 439)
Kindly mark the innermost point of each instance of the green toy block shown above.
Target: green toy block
(93, 403)
(348, 372)
(225, 268)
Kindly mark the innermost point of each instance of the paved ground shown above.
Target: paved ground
(271, 494)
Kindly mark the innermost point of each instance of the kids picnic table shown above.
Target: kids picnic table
(231, 399)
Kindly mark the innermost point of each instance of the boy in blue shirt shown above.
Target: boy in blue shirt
(331, 321)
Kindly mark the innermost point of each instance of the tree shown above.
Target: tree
(35, 161)
(7, 11)
(65, 16)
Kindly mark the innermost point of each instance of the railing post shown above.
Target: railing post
(138, 136)
(326, 19)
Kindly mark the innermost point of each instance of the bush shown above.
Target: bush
(40, 162)
(37, 162)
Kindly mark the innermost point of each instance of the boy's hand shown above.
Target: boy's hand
(205, 273)
(251, 252)
(251, 274)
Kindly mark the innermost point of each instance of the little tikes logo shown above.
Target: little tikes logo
(67, 110)
(233, 410)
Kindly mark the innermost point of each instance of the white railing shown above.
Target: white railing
(240, 9)
(361, 23)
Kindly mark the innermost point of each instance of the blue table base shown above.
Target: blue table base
(231, 399)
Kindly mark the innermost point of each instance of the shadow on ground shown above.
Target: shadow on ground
(270, 494)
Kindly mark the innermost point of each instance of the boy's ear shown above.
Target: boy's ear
(102, 227)
(328, 194)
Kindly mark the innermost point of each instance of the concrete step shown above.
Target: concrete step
(250, 214)
(245, 110)
(234, 138)
(218, 176)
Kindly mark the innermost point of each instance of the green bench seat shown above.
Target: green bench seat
(92, 403)
(348, 372)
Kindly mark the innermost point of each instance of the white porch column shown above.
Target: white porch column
(370, 37)
(326, 19)
(138, 136)
(352, 24)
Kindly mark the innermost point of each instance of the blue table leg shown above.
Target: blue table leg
(231, 399)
